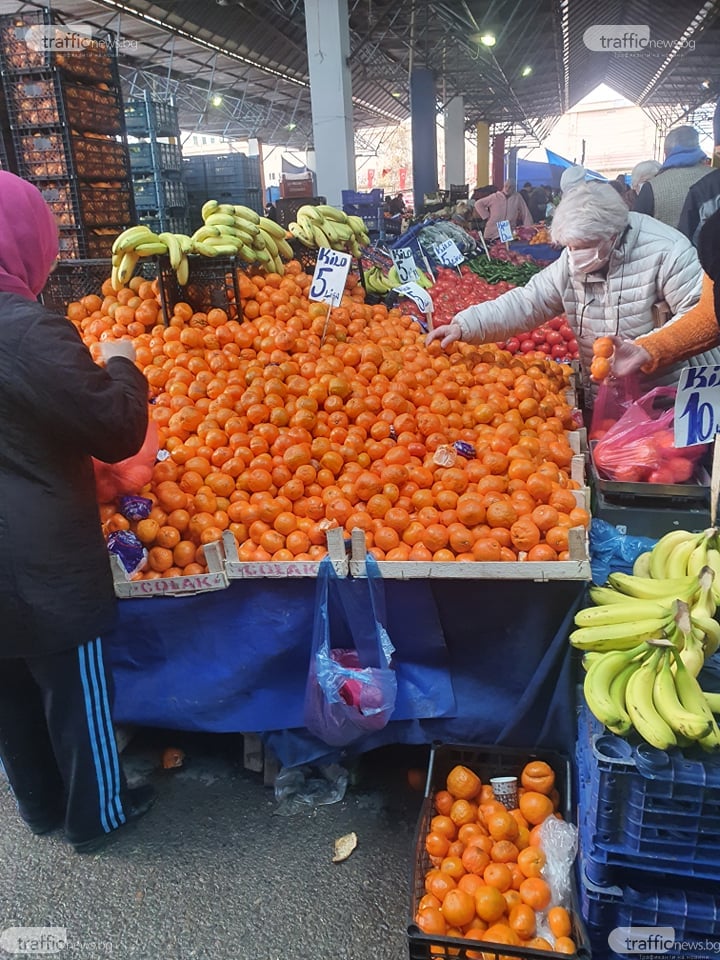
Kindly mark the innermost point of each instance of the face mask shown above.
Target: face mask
(586, 261)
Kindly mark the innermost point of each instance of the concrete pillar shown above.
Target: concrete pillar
(483, 154)
(328, 43)
(424, 134)
(498, 161)
(454, 142)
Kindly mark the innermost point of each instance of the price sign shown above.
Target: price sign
(504, 231)
(697, 406)
(331, 270)
(448, 253)
(416, 293)
(405, 264)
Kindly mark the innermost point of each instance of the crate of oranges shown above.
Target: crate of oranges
(480, 888)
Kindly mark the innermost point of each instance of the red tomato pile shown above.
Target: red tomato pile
(554, 338)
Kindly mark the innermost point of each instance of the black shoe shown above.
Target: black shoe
(48, 825)
(136, 803)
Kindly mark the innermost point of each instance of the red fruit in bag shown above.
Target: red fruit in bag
(661, 475)
(681, 468)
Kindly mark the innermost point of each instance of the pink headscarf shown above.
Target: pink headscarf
(28, 237)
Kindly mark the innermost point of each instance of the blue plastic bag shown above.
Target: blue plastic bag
(612, 551)
(352, 686)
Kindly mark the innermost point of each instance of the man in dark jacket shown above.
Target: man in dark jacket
(58, 409)
(702, 201)
(663, 196)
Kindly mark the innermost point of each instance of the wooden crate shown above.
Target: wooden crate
(237, 569)
(215, 579)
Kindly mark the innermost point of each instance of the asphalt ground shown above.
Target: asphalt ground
(213, 872)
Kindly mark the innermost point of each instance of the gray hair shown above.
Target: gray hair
(591, 211)
(681, 138)
(643, 171)
(572, 177)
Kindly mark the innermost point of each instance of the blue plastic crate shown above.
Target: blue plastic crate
(372, 198)
(655, 810)
(693, 913)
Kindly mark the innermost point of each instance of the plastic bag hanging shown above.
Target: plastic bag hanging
(352, 686)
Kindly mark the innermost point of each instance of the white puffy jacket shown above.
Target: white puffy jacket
(651, 263)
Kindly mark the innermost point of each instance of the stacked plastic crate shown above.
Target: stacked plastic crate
(65, 117)
(369, 206)
(157, 166)
(649, 846)
(228, 178)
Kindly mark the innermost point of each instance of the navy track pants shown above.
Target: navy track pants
(57, 742)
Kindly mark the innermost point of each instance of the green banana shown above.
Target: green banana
(220, 219)
(202, 247)
(598, 681)
(154, 248)
(663, 550)
(677, 562)
(228, 208)
(183, 271)
(310, 212)
(127, 267)
(208, 208)
(297, 230)
(245, 213)
(202, 233)
(279, 266)
(693, 699)
(332, 213)
(269, 242)
(173, 248)
(641, 708)
(185, 242)
(357, 224)
(319, 237)
(645, 588)
(271, 227)
(616, 613)
(641, 567)
(712, 700)
(246, 252)
(284, 249)
(129, 238)
(354, 247)
(691, 724)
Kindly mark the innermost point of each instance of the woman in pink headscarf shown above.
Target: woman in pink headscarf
(58, 409)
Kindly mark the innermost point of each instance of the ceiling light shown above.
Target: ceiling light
(487, 39)
(290, 126)
(526, 71)
(706, 84)
(396, 93)
(217, 100)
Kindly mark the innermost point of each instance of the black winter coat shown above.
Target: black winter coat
(57, 409)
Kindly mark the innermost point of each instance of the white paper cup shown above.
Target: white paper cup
(505, 791)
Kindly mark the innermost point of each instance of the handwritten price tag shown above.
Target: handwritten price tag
(448, 253)
(504, 231)
(416, 293)
(331, 270)
(697, 406)
(405, 264)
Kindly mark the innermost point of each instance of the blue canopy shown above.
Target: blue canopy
(556, 160)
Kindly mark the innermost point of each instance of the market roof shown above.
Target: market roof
(239, 68)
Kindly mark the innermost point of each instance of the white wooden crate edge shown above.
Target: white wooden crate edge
(237, 569)
(576, 568)
(215, 579)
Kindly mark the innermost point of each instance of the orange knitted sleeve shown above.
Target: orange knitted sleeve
(696, 331)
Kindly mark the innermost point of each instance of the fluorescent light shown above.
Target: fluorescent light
(526, 71)
(290, 126)
(396, 93)
(488, 39)
(217, 100)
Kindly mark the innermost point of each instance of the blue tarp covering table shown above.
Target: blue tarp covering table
(538, 251)
(477, 662)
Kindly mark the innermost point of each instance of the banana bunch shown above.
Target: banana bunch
(326, 226)
(235, 230)
(381, 283)
(140, 241)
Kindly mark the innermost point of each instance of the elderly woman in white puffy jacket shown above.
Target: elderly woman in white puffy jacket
(615, 269)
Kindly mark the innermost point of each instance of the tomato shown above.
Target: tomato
(527, 345)
(553, 337)
(556, 322)
(566, 333)
(559, 351)
(513, 345)
(538, 336)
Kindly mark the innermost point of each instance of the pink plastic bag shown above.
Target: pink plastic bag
(127, 476)
(640, 447)
(614, 396)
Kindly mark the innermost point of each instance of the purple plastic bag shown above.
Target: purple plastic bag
(352, 686)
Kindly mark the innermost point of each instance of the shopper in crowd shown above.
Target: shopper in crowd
(271, 211)
(396, 204)
(506, 204)
(702, 201)
(616, 266)
(696, 331)
(526, 192)
(641, 173)
(663, 196)
(58, 409)
(538, 204)
(622, 190)
(572, 177)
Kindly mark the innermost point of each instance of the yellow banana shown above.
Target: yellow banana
(245, 213)
(273, 228)
(128, 239)
(183, 271)
(208, 208)
(127, 267)
(664, 550)
(284, 249)
(641, 708)
(691, 724)
(220, 220)
(331, 213)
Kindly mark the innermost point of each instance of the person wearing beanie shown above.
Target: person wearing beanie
(663, 196)
(58, 410)
(616, 266)
(572, 177)
(696, 331)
